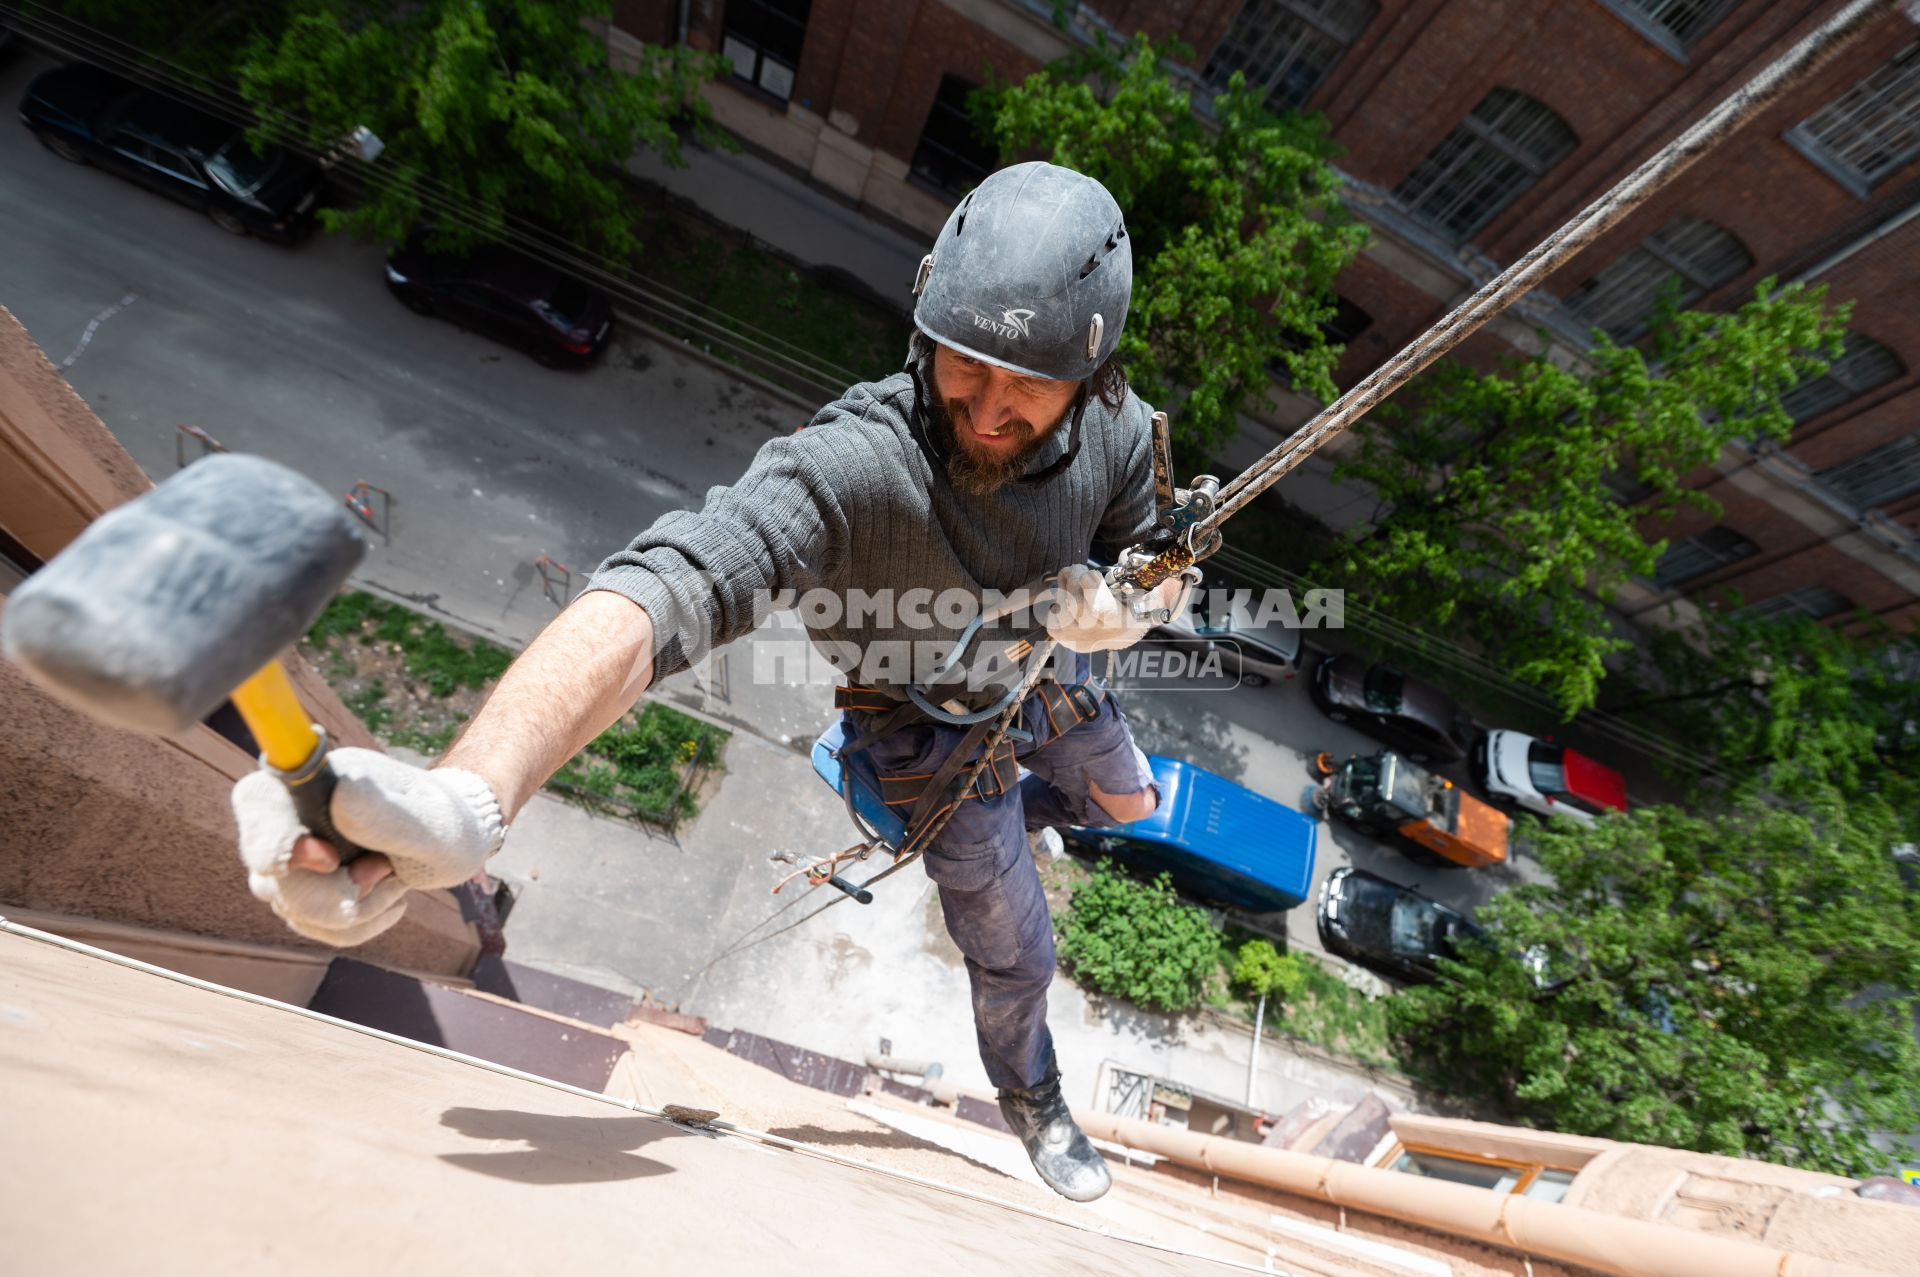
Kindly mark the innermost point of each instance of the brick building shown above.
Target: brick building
(1472, 130)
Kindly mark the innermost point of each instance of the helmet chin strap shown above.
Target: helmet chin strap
(1051, 471)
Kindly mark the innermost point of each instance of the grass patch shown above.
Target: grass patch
(642, 762)
(852, 337)
(433, 656)
(1331, 1013)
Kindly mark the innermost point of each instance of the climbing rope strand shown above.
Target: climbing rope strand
(1816, 49)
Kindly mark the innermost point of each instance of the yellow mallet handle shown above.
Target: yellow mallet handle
(293, 749)
(286, 736)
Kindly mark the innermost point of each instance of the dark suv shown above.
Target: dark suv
(90, 116)
(1414, 717)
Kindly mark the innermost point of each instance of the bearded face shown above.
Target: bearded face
(990, 421)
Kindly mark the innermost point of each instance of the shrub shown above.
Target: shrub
(1135, 940)
(1265, 972)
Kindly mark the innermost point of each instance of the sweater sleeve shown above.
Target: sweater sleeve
(1130, 515)
(706, 577)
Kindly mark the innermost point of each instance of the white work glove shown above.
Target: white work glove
(436, 827)
(1088, 616)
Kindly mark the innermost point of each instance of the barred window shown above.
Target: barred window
(1620, 299)
(1700, 554)
(1870, 130)
(1288, 46)
(1816, 601)
(1877, 477)
(1503, 146)
(951, 154)
(1674, 24)
(762, 39)
(1862, 365)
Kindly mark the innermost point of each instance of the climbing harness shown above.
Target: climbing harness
(1188, 528)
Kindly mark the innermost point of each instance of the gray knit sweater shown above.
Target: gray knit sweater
(859, 501)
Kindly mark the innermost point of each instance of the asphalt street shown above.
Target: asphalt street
(159, 319)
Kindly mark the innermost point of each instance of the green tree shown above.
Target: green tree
(1743, 984)
(1495, 522)
(1809, 705)
(1264, 971)
(488, 108)
(1137, 941)
(1237, 227)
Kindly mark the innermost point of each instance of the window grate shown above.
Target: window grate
(951, 154)
(1863, 364)
(1503, 146)
(1816, 601)
(1681, 21)
(1620, 299)
(762, 39)
(1288, 46)
(1871, 129)
(1699, 554)
(1876, 477)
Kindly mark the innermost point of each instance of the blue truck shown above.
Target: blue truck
(1218, 841)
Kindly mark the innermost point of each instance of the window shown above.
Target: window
(1620, 299)
(1863, 363)
(1875, 478)
(1550, 1185)
(1870, 130)
(1499, 150)
(951, 154)
(1700, 554)
(1816, 601)
(1501, 1177)
(1288, 46)
(1672, 24)
(762, 39)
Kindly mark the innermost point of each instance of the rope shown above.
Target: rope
(1815, 50)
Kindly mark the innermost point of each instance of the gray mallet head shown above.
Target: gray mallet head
(164, 605)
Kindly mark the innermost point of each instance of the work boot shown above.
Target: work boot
(1056, 1144)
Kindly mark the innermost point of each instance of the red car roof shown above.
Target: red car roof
(1595, 782)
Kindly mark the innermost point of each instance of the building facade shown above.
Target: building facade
(1470, 132)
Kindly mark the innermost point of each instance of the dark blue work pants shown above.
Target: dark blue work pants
(990, 891)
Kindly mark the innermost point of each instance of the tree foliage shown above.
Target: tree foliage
(1495, 519)
(1742, 984)
(1237, 230)
(1265, 972)
(488, 110)
(1137, 941)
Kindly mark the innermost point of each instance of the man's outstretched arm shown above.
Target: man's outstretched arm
(572, 682)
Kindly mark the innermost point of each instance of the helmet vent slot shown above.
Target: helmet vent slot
(1092, 264)
(960, 222)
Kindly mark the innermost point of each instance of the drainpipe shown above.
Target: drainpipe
(1253, 1061)
(1535, 1228)
(680, 22)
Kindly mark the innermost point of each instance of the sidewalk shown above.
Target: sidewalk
(606, 902)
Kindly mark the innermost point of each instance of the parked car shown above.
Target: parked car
(1366, 919)
(1412, 715)
(1221, 620)
(90, 116)
(1219, 842)
(1549, 779)
(504, 294)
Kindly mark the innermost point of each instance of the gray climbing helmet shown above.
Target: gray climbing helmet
(1031, 273)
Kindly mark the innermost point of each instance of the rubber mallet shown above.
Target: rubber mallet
(183, 597)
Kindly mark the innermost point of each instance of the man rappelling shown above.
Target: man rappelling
(1008, 451)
